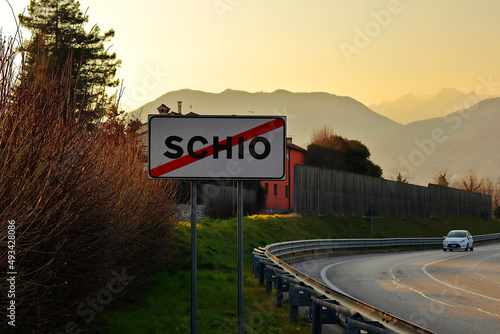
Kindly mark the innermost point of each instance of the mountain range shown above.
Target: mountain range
(305, 111)
(411, 108)
(460, 132)
(458, 142)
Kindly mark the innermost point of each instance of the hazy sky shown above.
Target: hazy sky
(371, 50)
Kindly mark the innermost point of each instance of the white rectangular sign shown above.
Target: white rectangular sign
(217, 147)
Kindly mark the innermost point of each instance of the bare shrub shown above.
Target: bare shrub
(82, 203)
(471, 181)
(400, 174)
(440, 178)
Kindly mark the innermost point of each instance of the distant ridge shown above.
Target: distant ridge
(454, 141)
(411, 108)
(304, 111)
(457, 142)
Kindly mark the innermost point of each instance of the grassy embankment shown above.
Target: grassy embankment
(165, 306)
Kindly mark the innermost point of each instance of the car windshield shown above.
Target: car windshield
(456, 234)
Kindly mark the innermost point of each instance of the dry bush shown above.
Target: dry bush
(440, 178)
(471, 181)
(82, 204)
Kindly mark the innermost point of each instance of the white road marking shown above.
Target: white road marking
(328, 282)
(424, 269)
(396, 281)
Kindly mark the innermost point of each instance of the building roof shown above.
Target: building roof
(294, 147)
(163, 109)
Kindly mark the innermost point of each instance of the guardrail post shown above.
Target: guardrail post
(322, 314)
(254, 260)
(256, 263)
(262, 269)
(294, 314)
(260, 264)
(297, 297)
(271, 277)
(281, 286)
(316, 319)
(257, 255)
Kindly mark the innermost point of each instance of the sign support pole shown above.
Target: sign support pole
(193, 256)
(176, 145)
(240, 256)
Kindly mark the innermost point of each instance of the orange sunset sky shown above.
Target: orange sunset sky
(370, 50)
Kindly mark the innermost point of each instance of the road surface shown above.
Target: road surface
(445, 292)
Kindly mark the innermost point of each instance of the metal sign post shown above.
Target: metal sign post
(240, 257)
(193, 257)
(217, 148)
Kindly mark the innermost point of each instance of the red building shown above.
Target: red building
(280, 193)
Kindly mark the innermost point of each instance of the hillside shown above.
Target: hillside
(458, 142)
(304, 111)
(168, 292)
(412, 108)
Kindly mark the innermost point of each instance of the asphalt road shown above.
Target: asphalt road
(445, 292)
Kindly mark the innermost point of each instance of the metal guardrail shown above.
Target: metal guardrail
(485, 237)
(293, 247)
(327, 306)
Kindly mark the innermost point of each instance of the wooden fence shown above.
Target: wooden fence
(326, 191)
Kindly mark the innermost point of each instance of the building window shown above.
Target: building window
(275, 190)
(286, 191)
(266, 187)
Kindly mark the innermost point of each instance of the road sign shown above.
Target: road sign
(217, 147)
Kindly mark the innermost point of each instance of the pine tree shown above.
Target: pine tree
(59, 43)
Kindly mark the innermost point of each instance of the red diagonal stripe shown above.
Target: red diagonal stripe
(187, 159)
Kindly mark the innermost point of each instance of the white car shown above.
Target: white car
(458, 239)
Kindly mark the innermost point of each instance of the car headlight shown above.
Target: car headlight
(464, 241)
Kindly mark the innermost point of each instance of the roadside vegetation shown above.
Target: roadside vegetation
(89, 226)
(164, 307)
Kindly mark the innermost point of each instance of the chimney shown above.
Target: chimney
(179, 107)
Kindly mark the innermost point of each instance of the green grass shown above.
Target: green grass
(164, 307)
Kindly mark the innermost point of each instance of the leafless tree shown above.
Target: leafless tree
(400, 174)
(470, 181)
(440, 178)
(322, 134)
